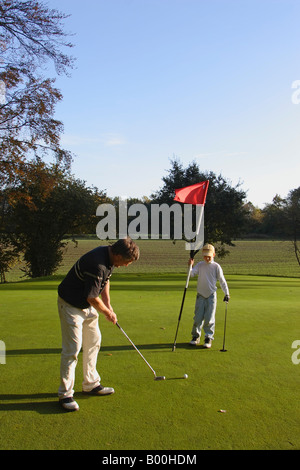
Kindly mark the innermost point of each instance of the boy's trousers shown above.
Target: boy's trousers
(79, 328)
(205, 311)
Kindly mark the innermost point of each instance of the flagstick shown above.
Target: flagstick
(182, 303)
(192, 255)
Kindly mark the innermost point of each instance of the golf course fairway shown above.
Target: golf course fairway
(245, 398)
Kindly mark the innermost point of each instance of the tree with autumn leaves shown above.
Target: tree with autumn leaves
(48, 204)
(31, 36)
(37, 201)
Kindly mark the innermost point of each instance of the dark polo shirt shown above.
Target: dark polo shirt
(87, 278)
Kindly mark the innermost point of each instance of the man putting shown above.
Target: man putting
(79, 305)
(209, 272)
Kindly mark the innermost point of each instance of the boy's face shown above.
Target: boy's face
(208, 259)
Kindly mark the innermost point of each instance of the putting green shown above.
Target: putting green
(255, 382)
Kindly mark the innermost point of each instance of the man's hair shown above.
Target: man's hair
(127, 248)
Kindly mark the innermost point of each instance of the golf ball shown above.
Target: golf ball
(185, 376)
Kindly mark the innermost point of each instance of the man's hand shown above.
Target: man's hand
(226, 298)
(191, 262)
(112, 317)
(100, 306)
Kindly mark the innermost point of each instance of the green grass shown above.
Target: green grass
(255, 381)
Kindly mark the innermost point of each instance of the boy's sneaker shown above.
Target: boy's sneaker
(195, 340)
(207, 343)
(69, 404)
(100, 391)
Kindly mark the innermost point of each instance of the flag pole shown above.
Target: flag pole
(194, 194)
(193, 253)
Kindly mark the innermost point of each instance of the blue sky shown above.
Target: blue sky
(203, 80)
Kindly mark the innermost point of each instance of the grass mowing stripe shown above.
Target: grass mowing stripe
(248, 257)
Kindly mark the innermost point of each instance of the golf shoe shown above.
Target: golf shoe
(69, 404)
(195, 340)
(100, 391)
(207, 343)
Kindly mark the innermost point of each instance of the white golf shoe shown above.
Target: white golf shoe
(100, 391)
(195, 341)
(69, 404)
(207, 343)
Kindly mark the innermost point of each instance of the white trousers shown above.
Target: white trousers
(79, 328)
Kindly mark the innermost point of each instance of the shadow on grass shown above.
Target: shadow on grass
(12, 402)
(135, 286)
(47, 403)
(131, 282)
(104, 349)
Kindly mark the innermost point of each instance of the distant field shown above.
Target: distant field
(268, 258)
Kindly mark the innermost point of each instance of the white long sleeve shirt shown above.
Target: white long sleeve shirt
(208, 275)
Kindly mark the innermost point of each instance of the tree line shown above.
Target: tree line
(39, 212)
(41, 203)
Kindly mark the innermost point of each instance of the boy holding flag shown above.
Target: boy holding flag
(209, 272)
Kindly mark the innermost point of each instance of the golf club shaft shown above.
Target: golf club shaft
(225, 326)
(136, 348)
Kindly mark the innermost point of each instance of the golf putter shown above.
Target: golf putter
(162, 377)
(223, 349)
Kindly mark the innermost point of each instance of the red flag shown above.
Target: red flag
(194, 194)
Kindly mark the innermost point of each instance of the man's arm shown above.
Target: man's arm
(103, 305)
(105, 296)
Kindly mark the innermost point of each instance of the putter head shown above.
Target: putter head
(161, 377)
(223, 350)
